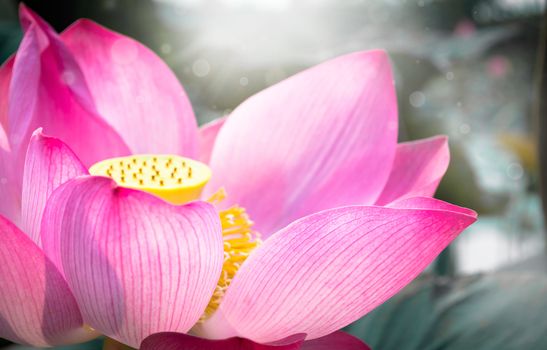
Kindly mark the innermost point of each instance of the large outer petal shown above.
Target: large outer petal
(431, 203)
(323, 138)
(10, 183)
(207, 138)
(48, 90)
(335, 341)
(49, 163)
(5, 78)
(328, 269)
(136, 264)
(134, 90)
(36, 305)
(177, 341)
(417, 170)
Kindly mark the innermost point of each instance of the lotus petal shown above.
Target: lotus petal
(48, 90)
(323, 138)
(49, 163)
(417, 170)
(36, 304)
(336, 340)
(133, 90)
(207, 137)
(328, 269)
(136, 264)
(177, 341)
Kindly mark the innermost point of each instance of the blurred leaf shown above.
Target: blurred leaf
(111, 344)
(473, 47)
(502, 311)
(10, 33)
(524, 147)
(10, 36)
(460, 185)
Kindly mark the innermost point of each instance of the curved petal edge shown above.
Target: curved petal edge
(49, 163)
(323, 138)
(328, 269)
(48, 90)
(133, 90)
(336, 340)
(36, 304)
(136, 264)
(207, 137)
(417, 169)
(177, 341)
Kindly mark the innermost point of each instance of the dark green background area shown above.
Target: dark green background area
(457, 304)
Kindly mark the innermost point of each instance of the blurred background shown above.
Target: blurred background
(471, 69)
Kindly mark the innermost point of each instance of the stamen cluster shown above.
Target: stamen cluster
(239, 241)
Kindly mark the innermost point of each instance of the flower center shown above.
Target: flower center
(175, 179)
(239, 241)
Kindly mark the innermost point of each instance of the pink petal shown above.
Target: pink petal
(417, 170)
(328, 269)
(10, 186)
(10, 183)
(5, 78)
(36, 305)
(134, 90)
(177, 341)
(335, 341)
(48, 90)
(136, 264)
(49, 164)
(207, 137)
(321, 139)
(432, 204)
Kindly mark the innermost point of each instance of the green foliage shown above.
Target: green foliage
(501, 311)
(10, 35)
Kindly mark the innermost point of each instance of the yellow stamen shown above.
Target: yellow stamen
(239, 241)
(156, 176)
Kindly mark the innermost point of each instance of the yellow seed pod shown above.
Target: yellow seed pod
(175, 179)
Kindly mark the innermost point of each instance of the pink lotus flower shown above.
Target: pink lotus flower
(345, 213)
